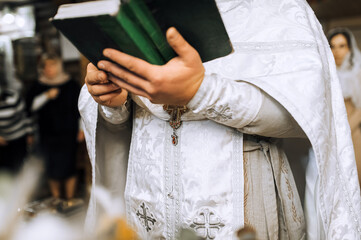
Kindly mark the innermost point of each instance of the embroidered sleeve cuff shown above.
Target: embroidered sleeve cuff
(229, 102)
(116, 115)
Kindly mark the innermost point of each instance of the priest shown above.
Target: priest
(192, 145)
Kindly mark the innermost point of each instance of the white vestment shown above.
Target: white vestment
(200, 183)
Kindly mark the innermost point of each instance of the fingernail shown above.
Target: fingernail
(172, 32)
(106, 53)
(101, 65)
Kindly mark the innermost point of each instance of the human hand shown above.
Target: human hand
(102, 90)
(52, 93)
(3, 142)
(174, 83)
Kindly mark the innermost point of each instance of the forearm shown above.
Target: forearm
(231, 103)
(243, 106)
(273, 120)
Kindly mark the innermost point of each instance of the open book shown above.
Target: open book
(137, 27)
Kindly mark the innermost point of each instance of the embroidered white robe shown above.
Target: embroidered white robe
(203, 182)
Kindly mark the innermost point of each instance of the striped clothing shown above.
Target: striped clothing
(14, 122)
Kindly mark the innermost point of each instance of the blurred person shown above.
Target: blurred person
(348, 61)
(54, 101)
(15, 127)
(221, 168)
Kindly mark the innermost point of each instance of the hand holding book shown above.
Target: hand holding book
(137, 27)
(102, 90)
(174, 83)
(135, 31)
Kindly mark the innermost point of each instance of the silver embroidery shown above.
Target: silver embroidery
(146, 217)
(238, 181)
(263, 47)
(223, 113)
(172, 187)
(207, 224)
(168, 184)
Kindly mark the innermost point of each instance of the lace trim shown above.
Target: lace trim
(168, 188)
(238, 181)
(272, 46)
(172, 188)
(348, 201)
(177, 183)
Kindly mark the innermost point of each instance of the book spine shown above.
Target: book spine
(139, 37)
(150, 25)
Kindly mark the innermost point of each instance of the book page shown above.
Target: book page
(86, 9)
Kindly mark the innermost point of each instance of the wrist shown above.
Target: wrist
(114, 115)
(195, 89)
(197, 101)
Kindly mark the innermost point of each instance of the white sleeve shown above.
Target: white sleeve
(243, 106)
(39, 101)
(116, 115)
(273, 120)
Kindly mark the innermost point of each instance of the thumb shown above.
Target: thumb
(179, 44)
(91, 67)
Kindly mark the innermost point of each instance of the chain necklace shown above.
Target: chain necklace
(175, 121)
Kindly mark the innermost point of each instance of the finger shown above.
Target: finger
(178, 43)
(101, 89)
(96, 77)
(102, 99)
(91, 68)
(124, 75)
(128, 87)
(133, 64)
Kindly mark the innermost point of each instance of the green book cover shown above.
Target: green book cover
(137, 27)
(198, 21)
(92, 34)
(150, 25)
(135, 32)
(89, 39)
(121, 40)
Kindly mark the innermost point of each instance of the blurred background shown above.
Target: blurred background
(31, 48)
(334, 13)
